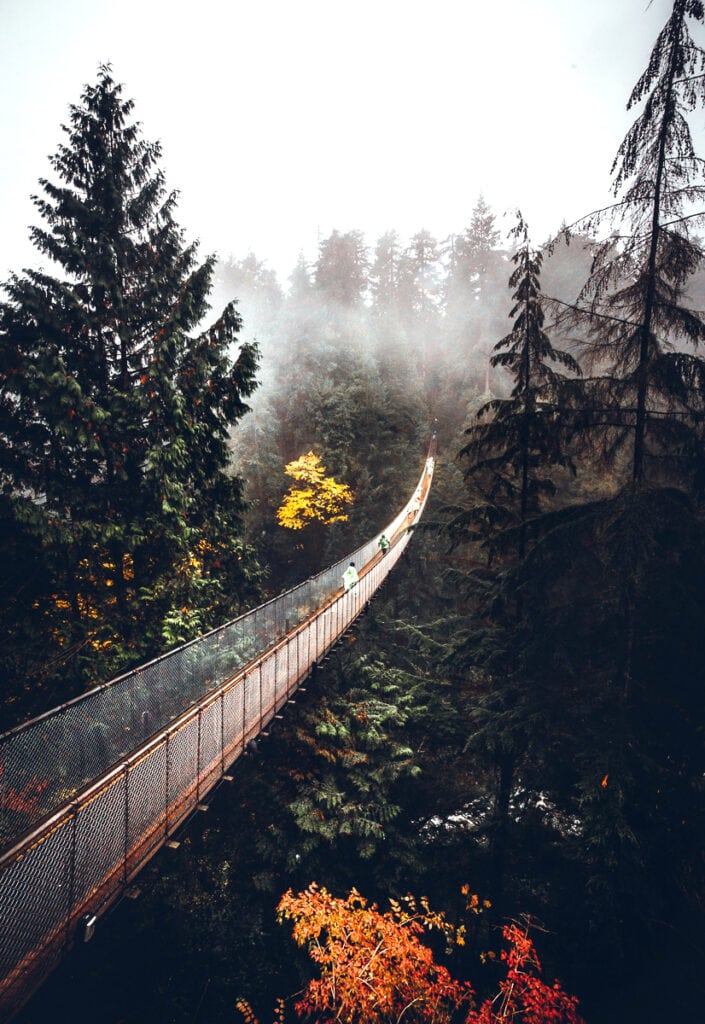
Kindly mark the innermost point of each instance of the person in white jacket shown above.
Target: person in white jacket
(350, 577)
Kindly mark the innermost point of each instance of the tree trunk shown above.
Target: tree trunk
(504, 763)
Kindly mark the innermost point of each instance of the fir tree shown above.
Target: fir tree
(420, 277)
(300, 285)
(337, 774)
(514, 439)
(385, 276)
(420, 293)
(341, 269)
(512, 444)
(476, 246)
(114, 416)
(650, 388)
(474, 292)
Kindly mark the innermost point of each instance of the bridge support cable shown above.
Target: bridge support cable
(90, 791)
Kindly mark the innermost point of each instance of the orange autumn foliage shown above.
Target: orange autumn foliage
(375, 969)
(523, 995)
(373, 966)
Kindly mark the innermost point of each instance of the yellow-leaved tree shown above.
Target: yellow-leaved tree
(314, 497)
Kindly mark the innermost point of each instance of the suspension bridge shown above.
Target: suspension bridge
(91, 790)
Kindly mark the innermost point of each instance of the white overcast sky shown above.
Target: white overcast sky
(281, 120)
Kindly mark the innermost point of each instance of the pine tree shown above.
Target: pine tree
(474, 287)
(300, 285)
(385, 276)
(420, 294)
(514, 438)
(421, 277)
(476, 245)
(341, 269)
(512, 444)
(650, 388)
(114, 417)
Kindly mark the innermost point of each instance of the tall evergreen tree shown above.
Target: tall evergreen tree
(341, 268)
(511, 445)
(300, 284)
(114, 417)
(652, 391)
(515, 438)
(420, 292)
(475, 291)
(391, 322)
(386, 277)
(421, 276)
(475, 247)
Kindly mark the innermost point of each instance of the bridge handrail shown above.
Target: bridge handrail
(99, 728)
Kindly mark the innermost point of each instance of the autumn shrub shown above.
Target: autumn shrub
(523, 995)
(373, 965)
(375, 968)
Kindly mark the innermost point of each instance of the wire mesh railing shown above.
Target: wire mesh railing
(91, 790)
(45, 762)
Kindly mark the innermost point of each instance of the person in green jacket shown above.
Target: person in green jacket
(384, 543)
